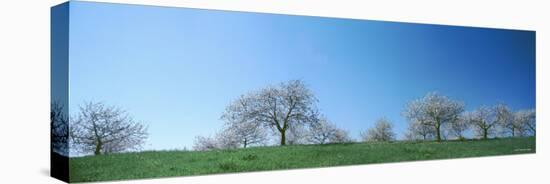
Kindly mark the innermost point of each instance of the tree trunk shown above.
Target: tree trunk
(98, 148)
(438, 131)
(245, 141)
(283, 137)
(484, 133)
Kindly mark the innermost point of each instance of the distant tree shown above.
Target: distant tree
(419, 131)
(458, 127)
(322, 132)
(245, 133)
(483, 120)
(410, 136)
(341, 136)
(101, 129)
(525, 120)
(246, 130)
(203, 143)
(280, 107)
(227, 139)
(516, 125)
(59, 124)
(433, 110)
(380, 132)
(222, 140)
(505, 118)
(296, 134)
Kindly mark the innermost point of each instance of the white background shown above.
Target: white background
(24, 90)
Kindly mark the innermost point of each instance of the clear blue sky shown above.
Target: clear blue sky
(176, 69)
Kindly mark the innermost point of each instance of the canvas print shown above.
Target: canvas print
(147, 92)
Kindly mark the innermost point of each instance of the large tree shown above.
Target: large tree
(434, 110)
(280, 107)
(382, 131)
(102, 129)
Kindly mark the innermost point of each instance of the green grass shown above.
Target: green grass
(152, 164)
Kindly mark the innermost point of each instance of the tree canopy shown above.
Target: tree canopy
(102, 129)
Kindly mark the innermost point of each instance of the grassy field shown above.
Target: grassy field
(183, 163)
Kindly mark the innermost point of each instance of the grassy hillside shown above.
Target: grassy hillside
(183, 163)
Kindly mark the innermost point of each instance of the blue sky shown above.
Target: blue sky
(176, 69)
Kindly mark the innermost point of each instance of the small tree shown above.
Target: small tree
(458, 126)
(483, 120)
(101, 129)
(246, 133)
(203, 143)
(220, 141)
(322, 132)
(419, 131)
(505, 119)
(381, 132)
(525, 120)
(433, 110)
(59, 123)
(239, 126)
(341, 136)
(296, 134)
(226, 139)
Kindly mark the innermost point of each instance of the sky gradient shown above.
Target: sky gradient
(176, 69)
